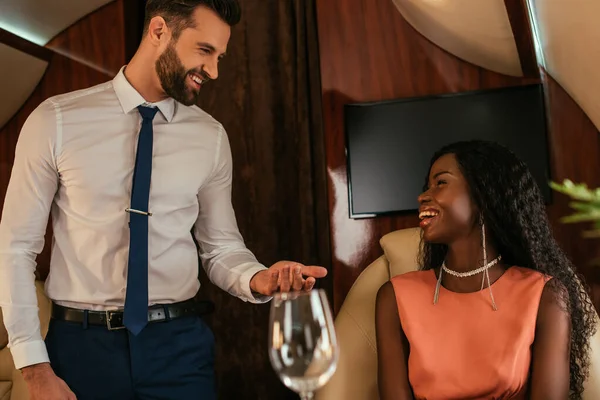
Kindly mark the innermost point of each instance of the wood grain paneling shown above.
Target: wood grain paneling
(97, 40)
(369, 52)
(574, 145)
(518, 15)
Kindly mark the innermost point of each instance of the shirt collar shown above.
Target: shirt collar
(131, 98)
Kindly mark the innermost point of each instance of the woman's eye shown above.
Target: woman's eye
(441, 182)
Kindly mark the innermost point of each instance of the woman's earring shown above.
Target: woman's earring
(486, 274)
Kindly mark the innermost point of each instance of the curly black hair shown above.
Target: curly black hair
(513, 210)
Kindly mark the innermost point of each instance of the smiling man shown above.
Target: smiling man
(128, 169)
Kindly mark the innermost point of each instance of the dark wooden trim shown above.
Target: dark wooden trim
(133, 13)
(520, 23)
(25, 46)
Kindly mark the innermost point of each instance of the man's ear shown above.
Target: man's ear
(158, 30)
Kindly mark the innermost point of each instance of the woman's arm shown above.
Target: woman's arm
(551, 349)
(392, 348)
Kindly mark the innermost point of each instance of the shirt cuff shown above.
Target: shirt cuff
(29, 353)
(248, 294)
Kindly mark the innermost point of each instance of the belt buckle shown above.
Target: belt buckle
(109, 315)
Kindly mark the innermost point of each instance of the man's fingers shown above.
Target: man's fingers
(285, 284)
(309, 284)
(67, 391)
(273, 282)
(297, 281)
(314, 271)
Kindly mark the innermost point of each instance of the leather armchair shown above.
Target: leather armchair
(356, 374)
(12, 385)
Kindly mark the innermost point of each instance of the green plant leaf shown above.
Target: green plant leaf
(589, 207)
(586, 205)
(577, 191)
(574, 218)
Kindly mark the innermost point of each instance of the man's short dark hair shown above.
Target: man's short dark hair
(178, 13)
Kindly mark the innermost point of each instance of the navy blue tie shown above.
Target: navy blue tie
(136, 300)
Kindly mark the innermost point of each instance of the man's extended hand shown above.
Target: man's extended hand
(43, 384)
(285, 276)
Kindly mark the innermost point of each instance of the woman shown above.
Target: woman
(497, 310)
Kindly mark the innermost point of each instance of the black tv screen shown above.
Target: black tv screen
(389, 144)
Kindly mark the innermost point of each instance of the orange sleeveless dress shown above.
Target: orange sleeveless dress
(460, 348)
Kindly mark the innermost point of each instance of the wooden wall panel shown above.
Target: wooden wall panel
(97, 40)
(369, 52)
(518, 15)
(574, 145)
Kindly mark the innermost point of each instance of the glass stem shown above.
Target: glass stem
(306, 395)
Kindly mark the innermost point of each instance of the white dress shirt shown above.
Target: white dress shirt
(74, 160)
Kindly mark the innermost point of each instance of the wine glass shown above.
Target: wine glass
(302, 344)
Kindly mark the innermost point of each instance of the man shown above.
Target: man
(127, 169)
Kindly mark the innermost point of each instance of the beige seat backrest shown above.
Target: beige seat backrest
(356, 375)
(3, 333)
(401, 249)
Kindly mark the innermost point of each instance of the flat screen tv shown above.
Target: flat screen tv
(389, 144)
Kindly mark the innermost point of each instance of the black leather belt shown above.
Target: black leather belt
(113, 320)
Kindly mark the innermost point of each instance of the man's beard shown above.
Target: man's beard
(173, 76)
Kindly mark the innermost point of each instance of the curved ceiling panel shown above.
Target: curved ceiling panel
(477, 31)
(569, 37)
(40, 20)
(19, 75)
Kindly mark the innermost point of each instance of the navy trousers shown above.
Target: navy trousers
(167, 360)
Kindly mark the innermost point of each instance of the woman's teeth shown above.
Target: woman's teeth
(428, 214)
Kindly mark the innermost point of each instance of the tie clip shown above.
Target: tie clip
(133, 210)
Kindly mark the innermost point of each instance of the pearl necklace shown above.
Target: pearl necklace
(472, 272)
(484, 269)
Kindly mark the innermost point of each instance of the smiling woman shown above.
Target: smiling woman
(515, 327)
